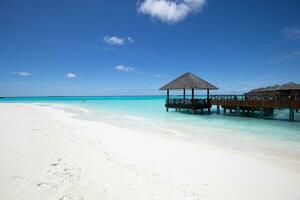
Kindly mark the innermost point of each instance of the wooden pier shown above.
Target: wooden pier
(241, 104)
(231, 104)
(262, 100)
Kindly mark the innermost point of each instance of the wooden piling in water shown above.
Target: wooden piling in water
(261, 112)
(237, 110)
(218, 109)
(292, 114)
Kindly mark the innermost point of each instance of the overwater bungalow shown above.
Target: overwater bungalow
(284, 92)
(289, 91)
(188, 81)
(263, 92)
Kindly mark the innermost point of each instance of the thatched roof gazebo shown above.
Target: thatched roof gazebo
(188, 81)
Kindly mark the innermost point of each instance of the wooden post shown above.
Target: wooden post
(168, 97)
(238, 110)
(292, 114)
(224, 110)
(218, 109)
(183, 93)
(297, 110)
(192, 95)
(168, 94)
(194, 111)
(207, 97)
(261, 112)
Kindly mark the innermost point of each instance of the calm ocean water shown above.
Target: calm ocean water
(275, 137)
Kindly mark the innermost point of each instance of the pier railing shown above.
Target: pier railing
(187, 103)
(280, 101)
(295, 97)
(228, 97)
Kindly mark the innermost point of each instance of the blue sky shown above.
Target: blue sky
(118, 47)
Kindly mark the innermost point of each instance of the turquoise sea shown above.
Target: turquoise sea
(276, 137)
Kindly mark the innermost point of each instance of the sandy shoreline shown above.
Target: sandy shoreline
(46, 153)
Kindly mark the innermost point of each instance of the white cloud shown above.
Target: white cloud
(70, 75)
(170, 11)
(291, 32)
(124, 68)
(130, 40)
(114, 40)
(157, 75)
(22, 73)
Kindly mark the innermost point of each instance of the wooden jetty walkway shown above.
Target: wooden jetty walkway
(262, 100)
(265, 106)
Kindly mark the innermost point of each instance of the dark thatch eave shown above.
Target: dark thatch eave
(289, 86)
(285, 87)
(188, 81)
(265, 89)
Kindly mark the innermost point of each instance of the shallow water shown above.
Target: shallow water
(275, 137)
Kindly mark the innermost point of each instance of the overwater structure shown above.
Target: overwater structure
(188, 81)
(262, 100)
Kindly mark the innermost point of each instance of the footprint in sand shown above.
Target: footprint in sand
(40, 184)
(59, 174)
(71, 197)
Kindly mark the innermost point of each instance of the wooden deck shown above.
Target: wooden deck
(265, 105)
(237, 103)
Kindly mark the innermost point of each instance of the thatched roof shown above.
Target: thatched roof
(289, 86)
(188, 81)
(265, 89)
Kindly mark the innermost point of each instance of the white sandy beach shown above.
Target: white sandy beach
(46, 153)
